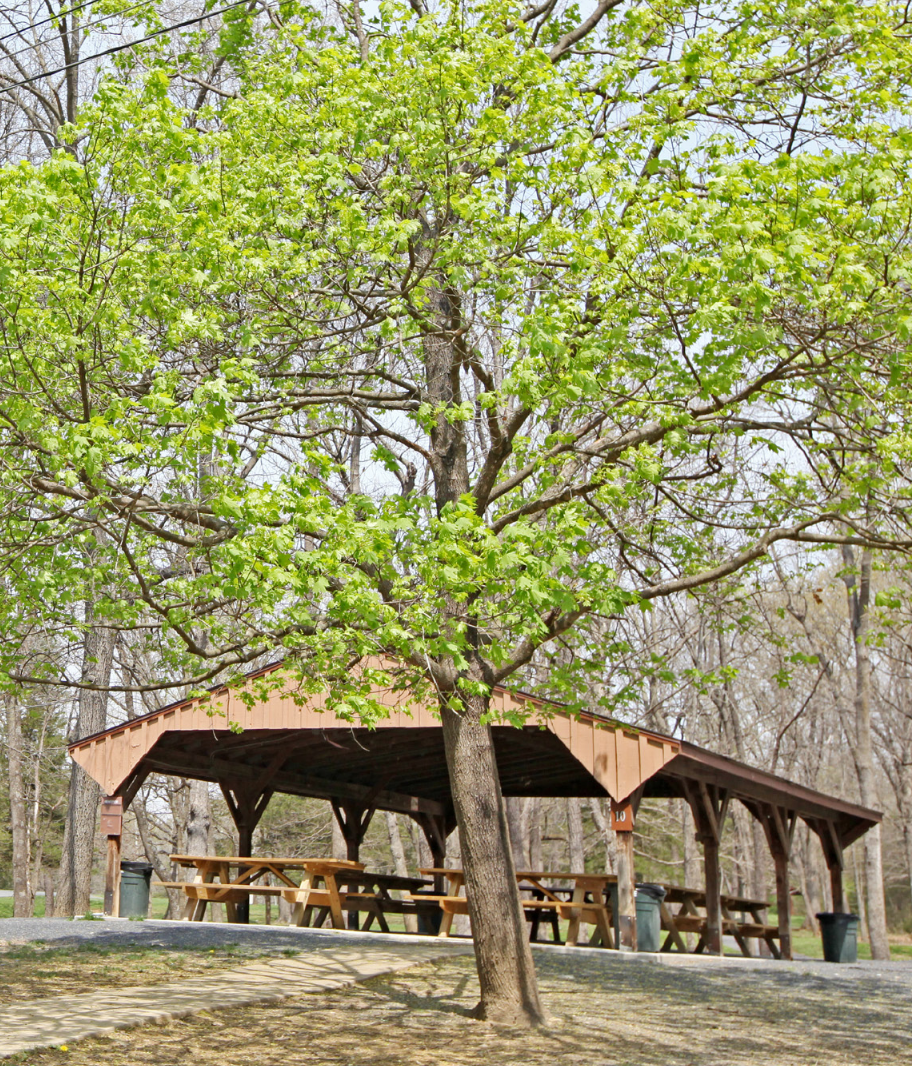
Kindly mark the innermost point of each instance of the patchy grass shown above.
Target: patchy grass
(812, 946)
(37, 970)
(607, 1012)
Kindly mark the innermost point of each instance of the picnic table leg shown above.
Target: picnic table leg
(301, 913)
(335, 903)
(674, 937)
(575, 916)
(603, 929)
(533, 930)
(381, 921)
(195, 908)
(446, 922)
(739, 939)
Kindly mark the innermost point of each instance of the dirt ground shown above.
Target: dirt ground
(37, 970)
(605, 1012)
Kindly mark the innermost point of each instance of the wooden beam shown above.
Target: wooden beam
(625, 921)
(112, 878)
(779, 827)
(831, 845)
(709, 804)
(294, 783)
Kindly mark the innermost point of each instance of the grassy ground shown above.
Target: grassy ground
(605, 1012)
(37, 970)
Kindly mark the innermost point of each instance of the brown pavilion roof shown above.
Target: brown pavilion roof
(305, 749)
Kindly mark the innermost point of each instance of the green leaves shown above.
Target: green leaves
(440, 353)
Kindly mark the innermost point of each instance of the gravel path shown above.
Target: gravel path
(196, 935)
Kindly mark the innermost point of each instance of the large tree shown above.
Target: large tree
(457, 331)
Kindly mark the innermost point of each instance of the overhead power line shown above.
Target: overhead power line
(53, 18)
(83, 27)
(122, 47)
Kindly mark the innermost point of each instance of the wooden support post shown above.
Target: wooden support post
(779, 826)
(436, 829)
(353, 819)
(831, 842)
(112, 827)
(712, 874)
(783, 899)
(837, 889)
(626, 923)
(247, 801)
(112, 878)
(709, 804)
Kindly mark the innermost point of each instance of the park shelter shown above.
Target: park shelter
(254, 747)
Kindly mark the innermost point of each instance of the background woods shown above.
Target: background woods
(513, 344)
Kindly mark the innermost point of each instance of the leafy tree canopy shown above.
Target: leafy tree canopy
(450, 335)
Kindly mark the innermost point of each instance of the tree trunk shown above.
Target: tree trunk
(82, 809)
(608, 835)
(860, 895)
(859, 591)
(23, 894)
(905, 810)
(515, 808)
(339, 843)
(509, 991)
(49, 905)
(199, 818)
(575, 841)
(531, 831)
(400, 864)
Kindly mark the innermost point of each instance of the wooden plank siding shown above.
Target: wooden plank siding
(556, 754)
(619, 759)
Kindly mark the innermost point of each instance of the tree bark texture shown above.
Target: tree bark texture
(859, 605)
(518, 836)
(575, 841)
(199, 818)
(509, 992)
(23, 894)
(84, 795)
(400, 863)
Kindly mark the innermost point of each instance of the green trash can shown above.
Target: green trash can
(649, 917)
(135, 880)
(839, 933)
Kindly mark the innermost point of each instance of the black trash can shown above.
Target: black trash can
(649, 917)
(135, 881)
(428, 920)
(839, 933)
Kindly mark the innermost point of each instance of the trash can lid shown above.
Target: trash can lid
(134, 866)
(656, 891)
(830, 917)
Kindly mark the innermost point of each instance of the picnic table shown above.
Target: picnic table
(581, 901)
(690, 917)
(325, 888)
(233, 879)
(370, 892)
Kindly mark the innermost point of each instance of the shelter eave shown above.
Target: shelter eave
(749, 783)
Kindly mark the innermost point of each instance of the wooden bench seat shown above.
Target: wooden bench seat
(754, 929)
(596, 914)
(688, 923)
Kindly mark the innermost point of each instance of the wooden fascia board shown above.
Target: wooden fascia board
(746, 781)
